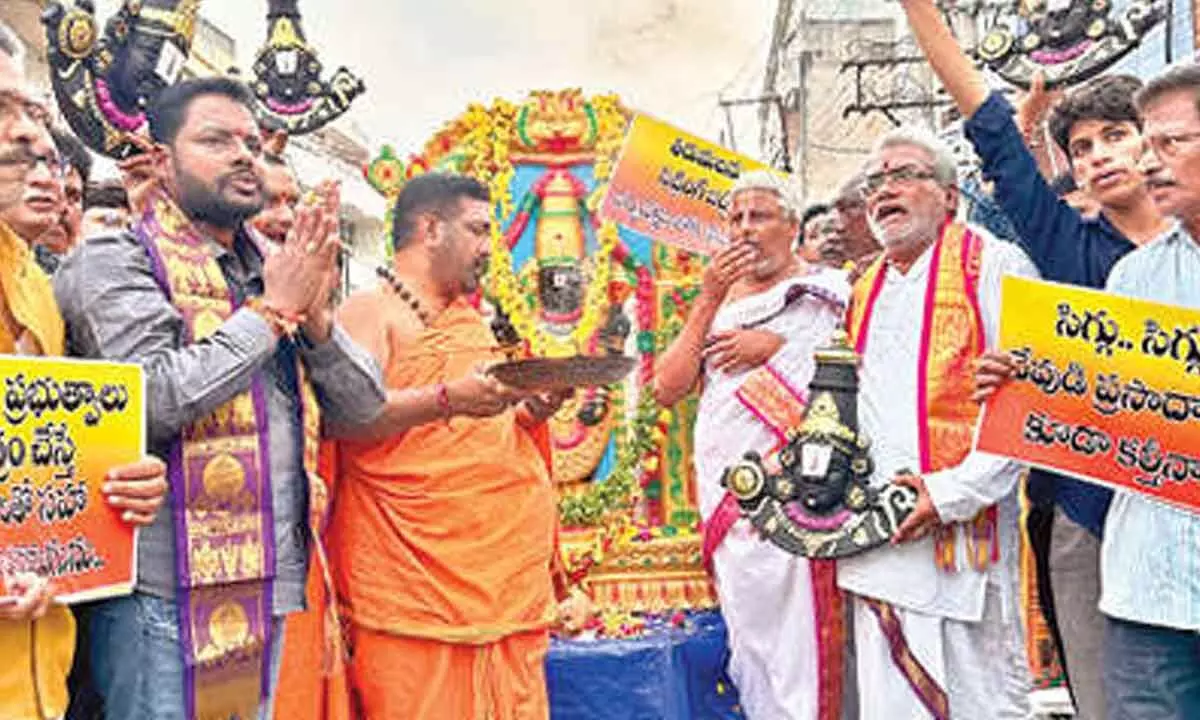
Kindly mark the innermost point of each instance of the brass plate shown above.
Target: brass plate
(546, 374)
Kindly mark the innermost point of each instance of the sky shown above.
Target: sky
(423, 61)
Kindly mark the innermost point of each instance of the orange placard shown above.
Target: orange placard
(673, 186)
(1107, 390)
(65, 423)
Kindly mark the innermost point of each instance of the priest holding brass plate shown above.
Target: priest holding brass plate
(815, 500)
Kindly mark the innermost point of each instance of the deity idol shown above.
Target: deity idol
(103, 84)
(1068, 40)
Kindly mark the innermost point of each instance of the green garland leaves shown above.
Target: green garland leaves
(616, 493)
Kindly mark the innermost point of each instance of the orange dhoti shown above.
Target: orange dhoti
(403, 677)
(312, 675)
(313, 682)
(441, 541)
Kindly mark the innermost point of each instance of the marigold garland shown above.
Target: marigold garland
(490, 139)
(485, 136)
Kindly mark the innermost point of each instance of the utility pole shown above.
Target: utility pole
(779, 36)
(1195, 27)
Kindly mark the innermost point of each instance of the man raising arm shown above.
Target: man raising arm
(1097, 127)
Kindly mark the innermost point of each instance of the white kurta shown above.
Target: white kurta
(765, 593)
(964, 627)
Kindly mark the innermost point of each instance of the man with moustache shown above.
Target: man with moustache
(936, 614)
(37, 637)
(824, 238)
(316, 691)
(443, 533)
(1151, 588)
(65, 232)
(1097, 128)
(281, 197)
(39, 209)
(748, 343)
(851, 244)
(241, 358)
(281, 192)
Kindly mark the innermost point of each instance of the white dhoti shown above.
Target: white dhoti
(978, 666)
(950, 643)
(774, 613)
(776, 606)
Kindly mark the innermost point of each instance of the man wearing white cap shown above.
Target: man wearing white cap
(749, 341)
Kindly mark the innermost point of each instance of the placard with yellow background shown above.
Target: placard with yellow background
(673, 186)
(1107, 389)
(63, 425)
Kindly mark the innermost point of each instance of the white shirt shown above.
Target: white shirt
(907, 575)
(1150, 559)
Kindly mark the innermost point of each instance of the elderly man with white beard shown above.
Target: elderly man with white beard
(936, 621)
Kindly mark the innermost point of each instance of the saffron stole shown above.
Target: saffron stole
(952, 336)
(220, 479)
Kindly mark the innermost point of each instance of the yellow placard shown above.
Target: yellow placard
(1107, 389)
(64, 425)
(673, 186)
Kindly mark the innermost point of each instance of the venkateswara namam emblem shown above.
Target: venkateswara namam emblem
(817, 502)
(287, 83)
(103, 83)
(1069, 41)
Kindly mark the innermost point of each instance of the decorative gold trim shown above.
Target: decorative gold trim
(656, 593)
(838, 351)
(824, 419)
(582, 157)
(77, 34)
(745, 480)
(181, 21)
(655, 575)
(284, 36)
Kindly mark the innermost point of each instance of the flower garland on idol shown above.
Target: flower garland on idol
(491, 159)
(486, 138)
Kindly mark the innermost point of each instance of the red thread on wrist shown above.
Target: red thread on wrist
(443, 401)
(283, 324)
(292, 317)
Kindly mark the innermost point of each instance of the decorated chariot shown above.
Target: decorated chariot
(563, 282)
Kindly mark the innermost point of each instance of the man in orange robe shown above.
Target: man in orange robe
(443, 529)
(313, 666)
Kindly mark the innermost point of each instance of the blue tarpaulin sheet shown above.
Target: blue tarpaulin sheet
(669, 674)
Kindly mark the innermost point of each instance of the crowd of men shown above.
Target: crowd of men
(393, 502)
(934, 617)
(205, 267)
